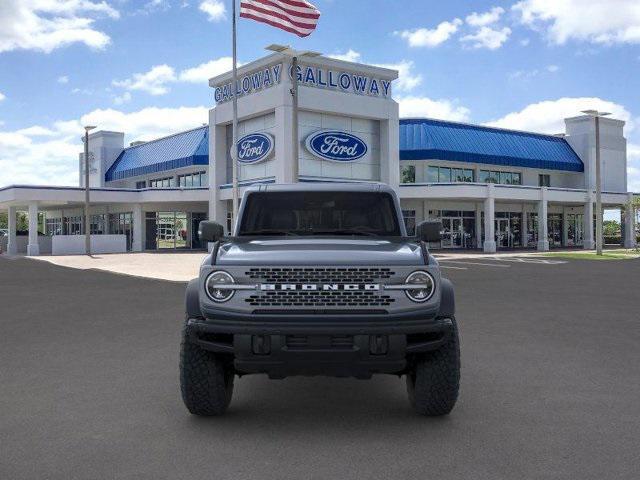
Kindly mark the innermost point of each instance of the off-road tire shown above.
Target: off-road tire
(434, 381)
(206, 382)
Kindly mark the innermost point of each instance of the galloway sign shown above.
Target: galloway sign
(342, 81)
(308, 76)
(249, 83)
(254, 148)
(336, 146)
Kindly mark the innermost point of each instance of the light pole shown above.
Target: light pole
(294, 55)
(87, 218)
(596, 114)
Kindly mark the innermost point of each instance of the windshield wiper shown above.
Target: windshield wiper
(269, 231)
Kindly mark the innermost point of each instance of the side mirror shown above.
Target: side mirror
(429, 231)
(210, 231)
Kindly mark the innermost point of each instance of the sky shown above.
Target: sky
(142, 66)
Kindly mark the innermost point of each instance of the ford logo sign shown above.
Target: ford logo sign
(255, 147)
(336, 146)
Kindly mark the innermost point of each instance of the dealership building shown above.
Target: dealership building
(492, 188)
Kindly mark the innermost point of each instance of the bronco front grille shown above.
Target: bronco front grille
(320, 298)
(320, 274)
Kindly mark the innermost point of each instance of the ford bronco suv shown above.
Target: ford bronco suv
(320, 279)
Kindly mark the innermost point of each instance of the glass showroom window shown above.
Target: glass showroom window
(167, 182)
(544, 180)
(408, 174)
(447, 175)
(410, 221)
(504, 178)
(198, 179)
(53, 226)
(142, 184)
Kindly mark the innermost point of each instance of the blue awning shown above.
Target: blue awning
(427, 139)
(176, 151)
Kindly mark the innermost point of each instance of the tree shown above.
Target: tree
(611, 228)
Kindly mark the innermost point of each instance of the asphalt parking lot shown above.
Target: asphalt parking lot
(550, 386)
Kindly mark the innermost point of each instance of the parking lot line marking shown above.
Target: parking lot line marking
(454, 268)
(529, 260)
(462, 262)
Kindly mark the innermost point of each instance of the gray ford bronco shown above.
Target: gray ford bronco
(320, 279)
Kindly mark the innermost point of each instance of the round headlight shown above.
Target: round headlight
(213, 283)
(426, 289)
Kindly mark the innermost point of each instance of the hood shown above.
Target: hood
(320, 251)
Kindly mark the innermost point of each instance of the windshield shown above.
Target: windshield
(320, 213)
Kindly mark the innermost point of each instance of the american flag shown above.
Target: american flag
(294, 16)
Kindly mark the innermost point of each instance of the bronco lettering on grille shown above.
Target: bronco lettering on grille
(326, 287)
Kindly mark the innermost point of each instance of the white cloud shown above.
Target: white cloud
(349, 56)
(407, 78)
(214, 9)
(525, 42)
(423, 37)
(486, 18)
(122, 99)
(49, 155)
(63, 79)
(595, 21)
(529, 74)
(413, 106)
(487, 37)
(45, 25)
(2, 96)
(203, 72)
(548, 116)
(153, 82)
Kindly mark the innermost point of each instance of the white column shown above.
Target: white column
(565, 227)
(524, 231)
(12, 247)
(588, 240)
(489, 222)
(478, 225)
(32, 247)
(629, 224)
(543, 237)
(138, 228)
(283, 137)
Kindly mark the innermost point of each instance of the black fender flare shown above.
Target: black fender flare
(192, 300)
(447, 299)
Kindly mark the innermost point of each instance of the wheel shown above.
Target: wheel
(206, 381)
(434, 381)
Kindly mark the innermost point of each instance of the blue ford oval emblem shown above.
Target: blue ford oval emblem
(255, 147)
(336, 146)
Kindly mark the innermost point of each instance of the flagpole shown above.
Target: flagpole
(294, 120)
(234, 148)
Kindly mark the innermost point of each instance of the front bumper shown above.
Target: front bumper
(334, 346)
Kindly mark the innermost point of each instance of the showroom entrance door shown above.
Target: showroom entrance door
(504, 238)
(452, 232)
(576, 229)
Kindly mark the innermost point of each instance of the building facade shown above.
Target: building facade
(491, 188)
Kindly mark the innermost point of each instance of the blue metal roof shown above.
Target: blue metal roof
(180, 150)
(427, 139)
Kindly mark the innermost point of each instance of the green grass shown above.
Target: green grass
(611, 255)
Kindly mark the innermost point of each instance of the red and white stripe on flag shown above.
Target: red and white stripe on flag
(294, 16)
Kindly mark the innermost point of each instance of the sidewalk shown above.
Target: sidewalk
(176, 267)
